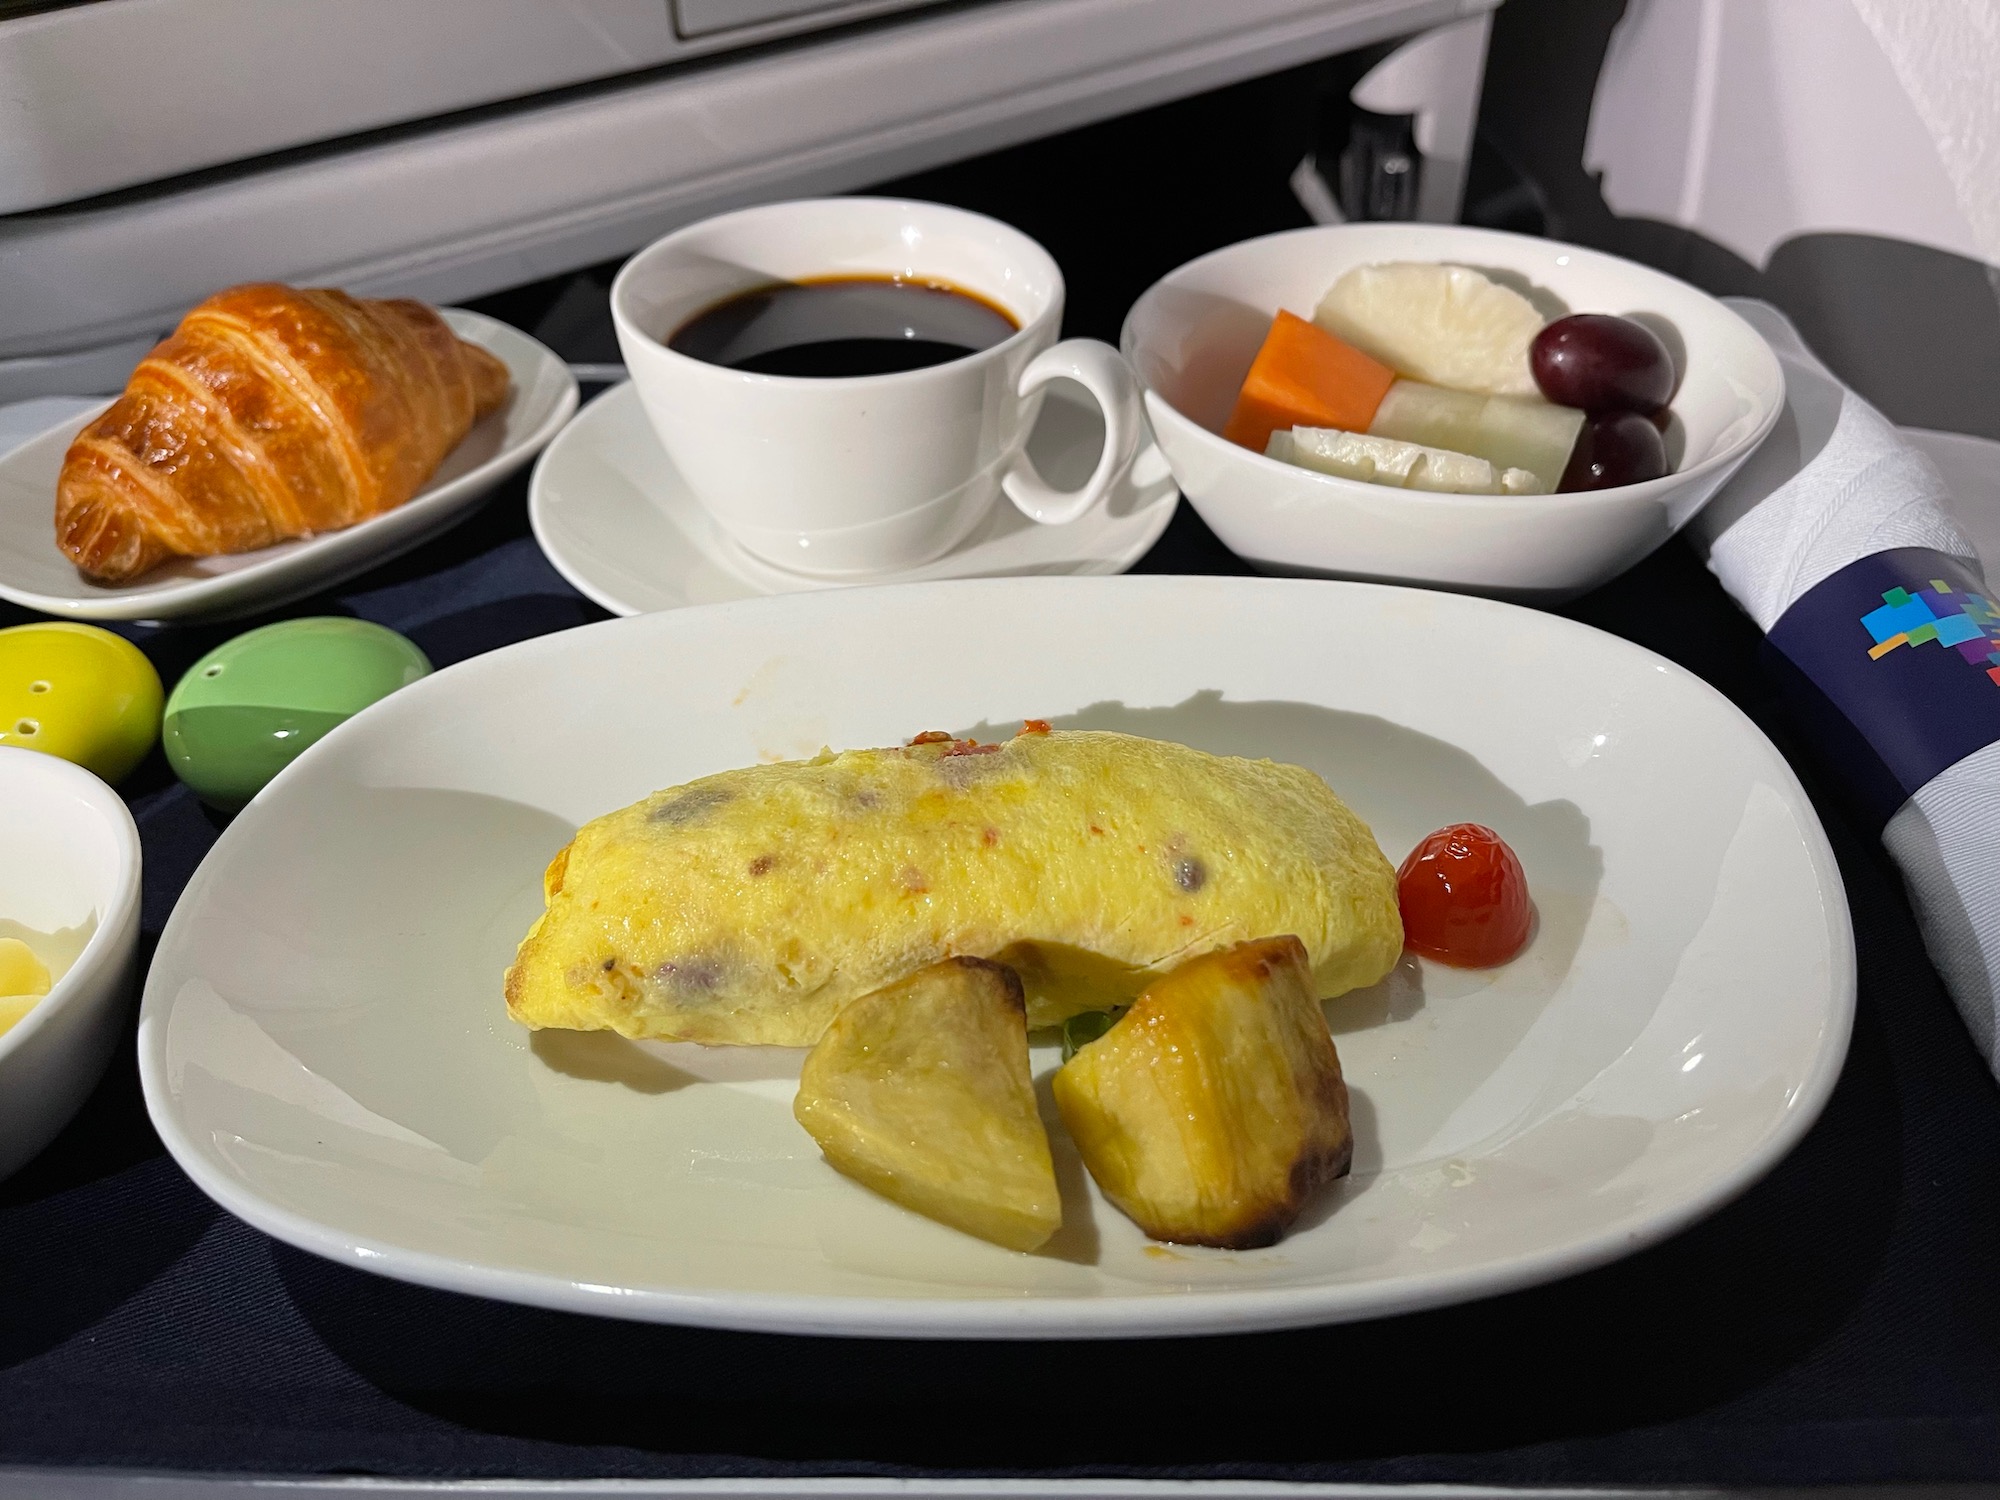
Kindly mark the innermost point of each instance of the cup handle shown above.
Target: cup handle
(1102, 371)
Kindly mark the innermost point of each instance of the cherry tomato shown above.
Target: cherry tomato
(1465, 898)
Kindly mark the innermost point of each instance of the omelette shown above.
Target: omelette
(751, 906)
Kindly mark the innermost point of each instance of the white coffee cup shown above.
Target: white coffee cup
(863, 474)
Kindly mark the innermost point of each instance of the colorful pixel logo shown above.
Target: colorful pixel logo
(1951, 617)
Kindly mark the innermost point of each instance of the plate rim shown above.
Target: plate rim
(274, 581)
(1151, 1314)
(597, 410)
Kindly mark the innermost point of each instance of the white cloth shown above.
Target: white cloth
(1834, 483)
(1756, 122)
(1946, 54)
(1946, 841)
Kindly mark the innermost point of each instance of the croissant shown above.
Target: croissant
(271, 412)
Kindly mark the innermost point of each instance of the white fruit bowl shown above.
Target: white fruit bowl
(71, 875)
(1192, 336)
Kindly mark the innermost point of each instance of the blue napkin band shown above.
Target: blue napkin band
(1895, 664)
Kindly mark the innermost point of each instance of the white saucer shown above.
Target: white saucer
(616, 521)
(35, 573)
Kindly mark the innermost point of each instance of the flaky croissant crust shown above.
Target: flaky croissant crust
(271, 412)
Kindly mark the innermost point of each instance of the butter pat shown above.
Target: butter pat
(21, 972)
(24, 979)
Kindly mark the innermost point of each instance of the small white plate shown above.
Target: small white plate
(35, 573)
(616, 520)
(325, 1050)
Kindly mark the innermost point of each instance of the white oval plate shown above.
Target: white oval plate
(324, 1048)
(615, 519)
(35, 573)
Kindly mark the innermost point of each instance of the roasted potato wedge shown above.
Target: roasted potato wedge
(1214, 1107)
(921, 1091)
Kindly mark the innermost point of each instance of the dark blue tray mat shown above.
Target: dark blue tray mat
(1839, 1323)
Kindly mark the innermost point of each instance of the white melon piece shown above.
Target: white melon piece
(1448, 325)
(1513, 432)
(1380, 460)
(1521, 482)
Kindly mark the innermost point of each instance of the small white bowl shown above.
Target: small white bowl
(71, 866)
(1192, 336)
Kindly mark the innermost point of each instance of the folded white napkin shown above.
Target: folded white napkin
(1836, 483)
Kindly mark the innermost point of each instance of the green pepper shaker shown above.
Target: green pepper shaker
(247, 709)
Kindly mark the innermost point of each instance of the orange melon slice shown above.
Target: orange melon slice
(1305, 377)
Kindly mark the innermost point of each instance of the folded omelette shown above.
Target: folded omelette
(751, 906)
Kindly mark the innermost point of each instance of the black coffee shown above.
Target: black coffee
(848, 325)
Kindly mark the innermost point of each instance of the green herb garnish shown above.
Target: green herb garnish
(1080, 1030)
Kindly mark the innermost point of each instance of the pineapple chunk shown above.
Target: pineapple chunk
(1214, 1107)
(1448, 325)
(920, 1090)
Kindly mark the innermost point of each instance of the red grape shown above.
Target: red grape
(1616, 448)
(1601, 364)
